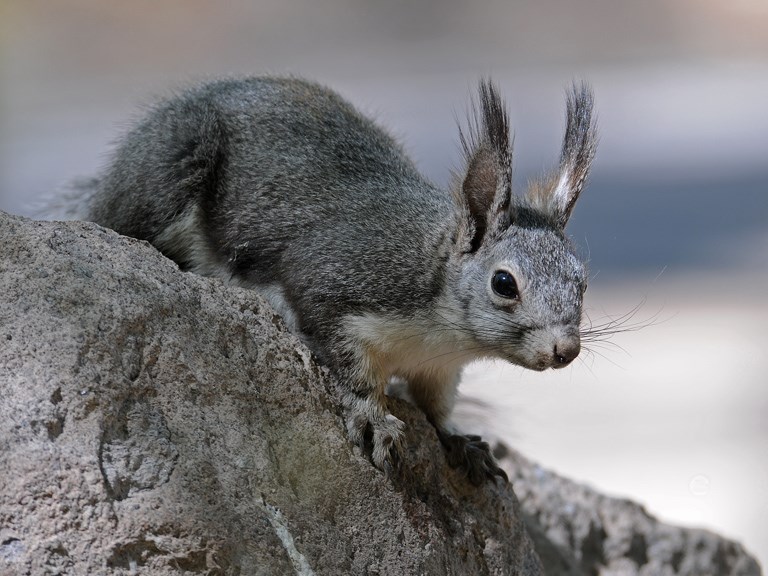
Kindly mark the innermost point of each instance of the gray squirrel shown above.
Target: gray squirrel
(280, 185)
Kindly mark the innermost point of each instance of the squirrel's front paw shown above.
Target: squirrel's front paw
(381, 433)
(472, 455)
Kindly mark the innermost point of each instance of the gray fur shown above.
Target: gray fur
(280, 185)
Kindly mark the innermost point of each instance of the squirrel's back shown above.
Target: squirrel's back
(235, 177)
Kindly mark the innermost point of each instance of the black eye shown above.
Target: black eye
(503, 283)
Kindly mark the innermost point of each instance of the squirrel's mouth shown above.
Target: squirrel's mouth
(561, 363)
(544, 362)
(536, 364)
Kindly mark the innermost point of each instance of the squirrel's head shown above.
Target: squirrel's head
(520, 283)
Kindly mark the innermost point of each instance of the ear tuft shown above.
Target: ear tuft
(558, 195)
(486, 185)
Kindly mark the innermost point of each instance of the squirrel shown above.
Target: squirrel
(280, 185)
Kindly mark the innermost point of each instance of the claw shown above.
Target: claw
(472, 455)
(378, 435)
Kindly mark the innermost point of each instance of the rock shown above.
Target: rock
(157, 422)
(578, 531)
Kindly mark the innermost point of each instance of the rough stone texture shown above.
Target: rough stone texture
(157, 422)
(578, 531)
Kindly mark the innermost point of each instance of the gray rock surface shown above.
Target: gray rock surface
(157, 422)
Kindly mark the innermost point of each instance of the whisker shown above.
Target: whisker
(591, 332)
(583, 361)
(606, 358)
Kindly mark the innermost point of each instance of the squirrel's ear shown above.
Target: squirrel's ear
(558, 194)
(485, 188)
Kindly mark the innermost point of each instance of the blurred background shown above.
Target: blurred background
(674, 221)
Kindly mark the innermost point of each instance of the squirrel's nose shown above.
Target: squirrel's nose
(565, 351)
